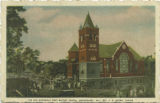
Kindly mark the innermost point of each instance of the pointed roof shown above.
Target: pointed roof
(88, 22)
(74, 47)
(107, 51)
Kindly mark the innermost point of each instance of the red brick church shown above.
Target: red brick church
(91, 60)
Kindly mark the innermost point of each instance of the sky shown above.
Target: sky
(54, 29)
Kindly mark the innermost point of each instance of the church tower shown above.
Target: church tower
(89, 65)
(88, 41)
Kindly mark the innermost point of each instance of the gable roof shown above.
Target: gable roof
(88, 22)
(74, 47)
(135, 54)
(107, 51)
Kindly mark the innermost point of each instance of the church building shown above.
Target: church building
(91, 61)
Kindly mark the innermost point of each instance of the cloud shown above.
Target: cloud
(66, 21)
(37, 14)
(135, 25)
(54, 30)
(137, 41)
(133, 16)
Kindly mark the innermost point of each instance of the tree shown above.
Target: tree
(19, 58)
(52, 69)
(30, 58)
(15, 27)
(149, 81)
(49, 73)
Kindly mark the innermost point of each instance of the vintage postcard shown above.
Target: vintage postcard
(80, 51)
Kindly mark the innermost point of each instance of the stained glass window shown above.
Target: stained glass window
(123, 63)
(116, 64)
(136, 67)
(130, 69)
(107, 64)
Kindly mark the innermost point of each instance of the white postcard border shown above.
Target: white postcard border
(78, 3)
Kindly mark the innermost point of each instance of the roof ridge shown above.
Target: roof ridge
(112, 43)
(135, 52)
(118, 47)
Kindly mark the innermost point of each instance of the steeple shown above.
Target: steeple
(88, 41)
(88, 22)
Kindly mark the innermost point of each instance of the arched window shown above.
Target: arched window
(107, 66)
(82, 72)
(90, 36)
(123, 63)
(81, 38)
(82, 67)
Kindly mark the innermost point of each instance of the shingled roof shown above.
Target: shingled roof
(88, 22)
(74, 47)
(135, 54)
(107, 51)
